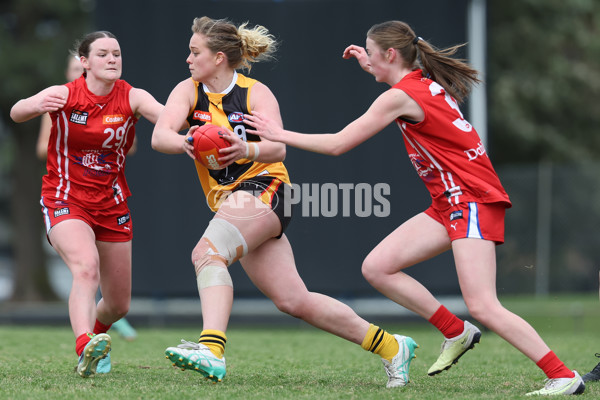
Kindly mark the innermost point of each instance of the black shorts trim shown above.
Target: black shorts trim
(276, 191)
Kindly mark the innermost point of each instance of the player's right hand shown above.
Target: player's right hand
(188, 141)
(263, 126)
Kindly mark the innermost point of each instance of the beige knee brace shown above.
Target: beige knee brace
(226, 245)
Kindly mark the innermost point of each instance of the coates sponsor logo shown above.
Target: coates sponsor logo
(236, 117)
(472, 154)
(123, 219)
(60, 212)
(78, 117)
(113, 119)
(202, 116)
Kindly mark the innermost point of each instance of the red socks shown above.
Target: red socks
(447, 323)
(84, 339)
(451, 326)
(99, 327)
(553, 367)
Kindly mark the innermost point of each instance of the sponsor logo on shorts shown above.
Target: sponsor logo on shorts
(61, 211)
(123, 219)
(202, 116)
(113, 119)
(236, 117)
(78, 117)
(456, 215)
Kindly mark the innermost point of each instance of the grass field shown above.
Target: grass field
(300, 362)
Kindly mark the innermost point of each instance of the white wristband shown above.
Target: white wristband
(252, 152)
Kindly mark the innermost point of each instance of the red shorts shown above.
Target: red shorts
(472, 220)
(109, 225)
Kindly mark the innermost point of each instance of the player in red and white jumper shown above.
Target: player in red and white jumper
(84, 193)
(468, 201)
(73, 71)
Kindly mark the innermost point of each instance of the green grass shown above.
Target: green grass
(300, 362)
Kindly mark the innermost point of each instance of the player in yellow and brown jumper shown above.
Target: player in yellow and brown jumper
(249, 196)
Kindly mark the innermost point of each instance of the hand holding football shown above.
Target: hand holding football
(208, 140)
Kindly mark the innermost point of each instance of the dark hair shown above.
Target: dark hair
(454, 75)
(82, 47)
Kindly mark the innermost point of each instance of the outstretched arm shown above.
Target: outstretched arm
(387, 107)
(262, 101)
(143, 103)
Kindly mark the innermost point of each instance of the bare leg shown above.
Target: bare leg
(272, 269)
(115, 281)
(418, 239)
(476, 267)
(238, 209)
(74, 241)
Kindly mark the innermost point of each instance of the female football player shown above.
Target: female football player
(84, 193)
(468, 201)
(249, 196)
(74, 71)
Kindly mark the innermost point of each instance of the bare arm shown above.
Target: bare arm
(263, 101)
(166, 137)
(144, 104)
(360, 54)
(44, 136)
(385, 109)
(50, 99)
